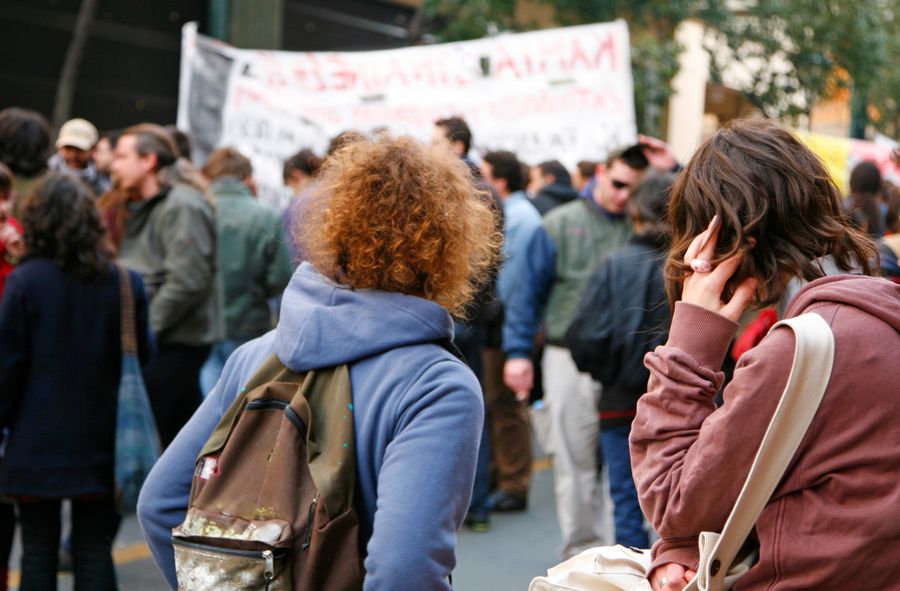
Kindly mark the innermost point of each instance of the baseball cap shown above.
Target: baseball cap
(78, 133)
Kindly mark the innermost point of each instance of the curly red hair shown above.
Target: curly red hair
(396, 215)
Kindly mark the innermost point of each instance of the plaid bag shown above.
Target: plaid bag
(137, 440)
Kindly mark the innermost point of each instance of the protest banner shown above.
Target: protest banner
(561, 94)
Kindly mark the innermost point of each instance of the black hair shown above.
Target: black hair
(24, 141)
(649, 203)
(305, 161)
(632, 156)
(505, 165)
(62, 222)
(182, 141)
(457, 131)
(865, 178)
(555, 168)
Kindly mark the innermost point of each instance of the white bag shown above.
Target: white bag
(616, 568)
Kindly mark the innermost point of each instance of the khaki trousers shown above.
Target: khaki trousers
(510, 429)
(571, 400)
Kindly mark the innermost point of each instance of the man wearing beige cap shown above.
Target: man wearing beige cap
(74, 154)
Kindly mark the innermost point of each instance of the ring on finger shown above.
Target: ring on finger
(663, 581)
(701, 266)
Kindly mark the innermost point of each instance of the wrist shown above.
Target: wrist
(701, 333)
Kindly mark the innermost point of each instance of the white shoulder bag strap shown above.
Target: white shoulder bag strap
(811, 371)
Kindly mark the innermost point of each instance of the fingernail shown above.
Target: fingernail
(714, 222)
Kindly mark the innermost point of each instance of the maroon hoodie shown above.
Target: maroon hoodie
(834, 520)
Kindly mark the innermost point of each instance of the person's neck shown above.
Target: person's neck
(149, 187)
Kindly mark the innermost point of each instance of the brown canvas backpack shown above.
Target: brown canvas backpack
(271, 505)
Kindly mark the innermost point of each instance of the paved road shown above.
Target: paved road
(518, 547)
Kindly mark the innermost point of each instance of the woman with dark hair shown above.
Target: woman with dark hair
(864, 203)
(757, 220)
(60, 355)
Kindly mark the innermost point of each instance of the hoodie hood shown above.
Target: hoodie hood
(324, 324)
(553, 195)
(876, 296)
(559, 192)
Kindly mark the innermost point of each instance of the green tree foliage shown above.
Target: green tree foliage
(462, 20)
(800, 51)
(652, 23)
(795, 51)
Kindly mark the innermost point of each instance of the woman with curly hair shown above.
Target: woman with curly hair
(60, 357)
(399, 242)
(757, 221)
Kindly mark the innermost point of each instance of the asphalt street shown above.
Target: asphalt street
(518, 547)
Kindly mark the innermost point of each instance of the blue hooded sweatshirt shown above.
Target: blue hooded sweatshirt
(418, 413)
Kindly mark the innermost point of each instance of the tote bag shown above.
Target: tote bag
(137, 440)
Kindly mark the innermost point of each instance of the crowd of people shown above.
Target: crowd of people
(613, 292)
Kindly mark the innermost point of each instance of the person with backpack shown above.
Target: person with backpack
(399, 242)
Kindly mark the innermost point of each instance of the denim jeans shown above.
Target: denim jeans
(627, 513)
(212, 368)
(94, 526)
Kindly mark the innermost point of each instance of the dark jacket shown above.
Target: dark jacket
(170, 240)
(253, 258)
(60, 358)
(553, 195)
(623, 315)
(889, 249)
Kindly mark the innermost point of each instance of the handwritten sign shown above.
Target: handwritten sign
(561, 94)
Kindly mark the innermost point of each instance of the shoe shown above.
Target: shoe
(503, 501)
(478, 521)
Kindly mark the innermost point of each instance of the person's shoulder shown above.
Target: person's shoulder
(33, 277)
(574, 209)
(566, 215)
(35, 268)
(187, 196)
(263, 211)
(428, 360)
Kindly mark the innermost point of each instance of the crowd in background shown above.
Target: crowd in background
(577, 301)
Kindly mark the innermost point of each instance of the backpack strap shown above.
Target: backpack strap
(272, 370)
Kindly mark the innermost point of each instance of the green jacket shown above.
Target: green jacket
(254, 260)
(561, 258)
(583, 236)
(170, 239)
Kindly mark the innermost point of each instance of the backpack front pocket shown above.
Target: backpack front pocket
(219, 553)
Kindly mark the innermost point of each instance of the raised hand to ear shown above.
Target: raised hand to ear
(704, 286)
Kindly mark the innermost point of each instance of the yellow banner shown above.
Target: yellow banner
(835, 152)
